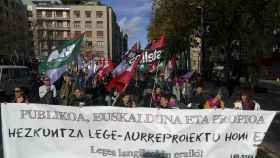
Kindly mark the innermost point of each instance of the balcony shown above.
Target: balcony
(52, 18)
(99, 26)
(51, 27)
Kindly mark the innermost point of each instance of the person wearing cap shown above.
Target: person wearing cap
(47, 92)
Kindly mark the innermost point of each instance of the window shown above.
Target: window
(49, 14)
(59, 14)
(60, 35)
(88, 25)
(29, 14)
(66, 34)
(89, 44)
(49, 24)
(77, 24)
(99, 14)
(88, 14)
(59, 24)
(39, 13)
(99, 34)
(77, 33)
(40, 23)
(66, 24)
(67, 14)
(99, 54)
(6, 2)
(89, 34)
(77, 14)
(99, 24)
(99, 43)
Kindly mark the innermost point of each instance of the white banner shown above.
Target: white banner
(44, 131)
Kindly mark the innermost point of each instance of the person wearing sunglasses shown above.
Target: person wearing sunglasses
(20, 96)
(47, 92)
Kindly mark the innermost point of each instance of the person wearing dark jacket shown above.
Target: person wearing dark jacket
(198, 99)
(79, 98)
(125, 101)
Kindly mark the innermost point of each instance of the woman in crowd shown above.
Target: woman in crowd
(214, 102)
(176, 90)
(245, 102)
(20, 96)
(156, 96)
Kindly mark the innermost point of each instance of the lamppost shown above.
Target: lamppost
(201, 55)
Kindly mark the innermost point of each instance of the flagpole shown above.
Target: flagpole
(154, 85)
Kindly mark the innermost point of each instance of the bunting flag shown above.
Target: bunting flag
(106, 69)
(132, 52)
(55, 65)
(91, 67)
(120, 68)
(120, 82)
(158, 43)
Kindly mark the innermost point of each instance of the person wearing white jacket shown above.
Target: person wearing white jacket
(246, 103)
(47, 92)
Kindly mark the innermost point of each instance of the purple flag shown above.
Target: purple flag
(55, 74)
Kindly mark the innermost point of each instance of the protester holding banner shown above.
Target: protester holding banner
(111, 97)
(172, 102)
(20, 95)
(187, 91)
(245, 102)
(125, 100)
(214, 101)
(79, 98)
(198, 98)
(176, 90)
(156, 96)
(47, 92)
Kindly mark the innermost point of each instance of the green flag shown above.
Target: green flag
(61, 56)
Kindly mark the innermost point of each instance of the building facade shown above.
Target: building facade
(55, 23)
(13, 33)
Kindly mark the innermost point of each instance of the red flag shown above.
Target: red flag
(108, 67)
(159, 43)
(120, 82)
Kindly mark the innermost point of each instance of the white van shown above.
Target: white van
(12, 76)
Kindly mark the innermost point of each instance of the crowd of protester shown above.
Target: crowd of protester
(153, 93)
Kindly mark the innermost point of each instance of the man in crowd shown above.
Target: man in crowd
(66, 89)
(79, 98)
(47, 92)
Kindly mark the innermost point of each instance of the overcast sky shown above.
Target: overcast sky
(133, 17)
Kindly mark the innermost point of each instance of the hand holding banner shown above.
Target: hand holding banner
(42, 131)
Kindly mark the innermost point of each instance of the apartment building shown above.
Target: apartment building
(13, 32)
(54, 23)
